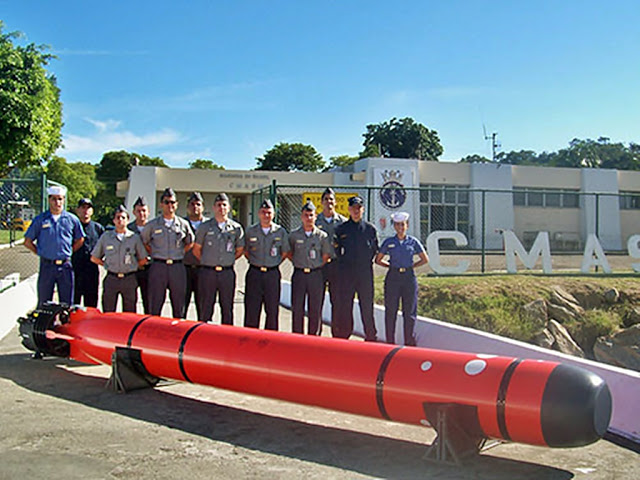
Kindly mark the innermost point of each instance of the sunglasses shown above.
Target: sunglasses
(170, 202)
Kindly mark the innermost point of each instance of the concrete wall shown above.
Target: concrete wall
(601, 181)
(499, 213)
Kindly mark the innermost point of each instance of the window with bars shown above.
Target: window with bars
(444, 207)
(549, 198)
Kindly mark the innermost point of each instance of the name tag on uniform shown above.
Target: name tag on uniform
(109, 247)
(46, 225)
(278, 238)
(253, 239)
(343, 236)
(159, 230)
(299, 241)
(393, 245)
(211, 233)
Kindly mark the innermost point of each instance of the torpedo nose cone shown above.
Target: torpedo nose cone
(576, 407)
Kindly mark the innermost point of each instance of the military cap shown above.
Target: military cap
(56, 190)
(140, 201)
(266, 203)
(85, 201)
(120, 209)
(399, 217)
(327, 191)
(168, 192)
(309, 206)
(357, 200)
(221, 197)
(196, 197)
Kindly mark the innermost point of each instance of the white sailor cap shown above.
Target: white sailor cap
(399, 217)
(56, 190)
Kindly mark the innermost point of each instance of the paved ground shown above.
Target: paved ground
(59, 422)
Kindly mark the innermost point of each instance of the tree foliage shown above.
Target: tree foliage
(204, 164)
(291, 157)
(30, 107)
(79, 178)
(340, 162)
(475, 158)
(404, 138)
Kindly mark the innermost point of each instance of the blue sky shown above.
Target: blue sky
(228, 80)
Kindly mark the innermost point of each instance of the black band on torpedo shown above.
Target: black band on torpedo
(135, 327)
(502, 398)
(181, 350)
(380, 382)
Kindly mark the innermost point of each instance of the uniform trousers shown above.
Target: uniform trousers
(51, 275)
(309, 287)
(352, 281)
(400, 285)
(193, 275)
(212, 284)
(161, 277)
(262, 288)
(86, 280)
(330, 276)
(142, 276)
(112, 286)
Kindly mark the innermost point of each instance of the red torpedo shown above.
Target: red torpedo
(527, 401)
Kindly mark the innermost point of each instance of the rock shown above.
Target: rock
(562, 298)
(560, 313)
(621, 349)
(612, 295)
(536, 311)
(589, 299)
(563, 341)
(544, 339)
(631, 317)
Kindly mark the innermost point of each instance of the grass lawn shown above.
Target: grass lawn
(4, 236)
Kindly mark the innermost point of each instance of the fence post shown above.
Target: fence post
(483, 231)
(43, 193)
(273, 188)
(369, 203)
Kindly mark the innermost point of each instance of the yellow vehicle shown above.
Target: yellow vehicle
(21, 224)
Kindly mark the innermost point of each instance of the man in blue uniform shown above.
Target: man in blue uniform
(141, 214)
(327, 221)
(167, 238)
(400, 282)
(195, 217)
(86, 273)
(54, 235)
(356, 243)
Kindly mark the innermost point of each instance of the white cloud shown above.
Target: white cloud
(179, 158)
(107, 137)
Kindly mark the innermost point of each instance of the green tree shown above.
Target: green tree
(341, 161)
(114, 167)
(475, 158)
(523, 157)
(30, 107)
(79, 178)
(291, 157)
(404, 139)
(204, 164)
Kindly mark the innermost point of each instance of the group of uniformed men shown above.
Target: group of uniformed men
(196, 255)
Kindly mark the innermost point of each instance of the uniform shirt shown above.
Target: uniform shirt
(330, 227)
(120, 256)
(219, 246)
(92, 232)
(266, 250)
(189, 257)
(356, 243)
(308, 250)
(401, 252)
(167, 242)
(54, 239)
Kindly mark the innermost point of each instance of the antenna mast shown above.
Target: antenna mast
(494, 142)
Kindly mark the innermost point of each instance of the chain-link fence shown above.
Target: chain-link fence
(21, 199)
(481, 218)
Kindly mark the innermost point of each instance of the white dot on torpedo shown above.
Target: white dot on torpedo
(425, 423)
(474, 367)
(486, 356)
(425, 366)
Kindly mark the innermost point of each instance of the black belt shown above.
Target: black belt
(120, 275)
(263, 269)
(217, 268)
(401, 269)
(307, 270)
(168, 261)
(55, 262)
